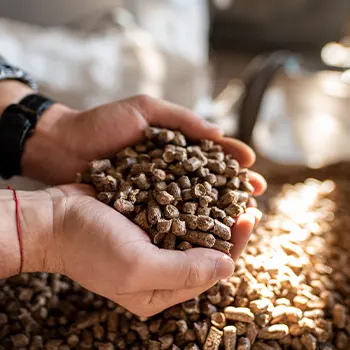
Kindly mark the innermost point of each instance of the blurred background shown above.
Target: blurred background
(269, 72)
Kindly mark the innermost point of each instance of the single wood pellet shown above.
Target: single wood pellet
(290, 290)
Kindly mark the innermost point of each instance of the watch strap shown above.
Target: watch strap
(15, 129)
(38, 104)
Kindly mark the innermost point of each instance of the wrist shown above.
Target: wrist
(45, 152)
(11, 92)
(36, 224)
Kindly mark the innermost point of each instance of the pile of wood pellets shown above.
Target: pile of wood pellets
(182, 194)
(291, 290)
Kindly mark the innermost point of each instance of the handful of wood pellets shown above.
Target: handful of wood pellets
(182, 194)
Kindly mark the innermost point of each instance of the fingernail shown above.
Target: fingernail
(210, 125)
(255, 213)
(225, 267)
(258, 216)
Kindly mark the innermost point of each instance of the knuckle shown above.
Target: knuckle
(144, 101)
(193, 277)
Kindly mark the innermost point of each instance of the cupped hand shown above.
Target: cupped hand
(109, 255)
(66, 141)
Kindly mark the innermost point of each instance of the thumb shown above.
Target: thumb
(174, 270)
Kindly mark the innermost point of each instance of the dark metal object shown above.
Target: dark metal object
(256, 80)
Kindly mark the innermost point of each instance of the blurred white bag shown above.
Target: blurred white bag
(106, 56)
(178, 26)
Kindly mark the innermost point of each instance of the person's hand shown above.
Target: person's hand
(66, 230)
(66, 140)
(106, 253)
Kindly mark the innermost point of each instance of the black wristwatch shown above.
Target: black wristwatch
(15, 129)
(9, 72)
(18, 122)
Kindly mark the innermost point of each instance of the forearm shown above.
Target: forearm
(35, 217)
(12, 91)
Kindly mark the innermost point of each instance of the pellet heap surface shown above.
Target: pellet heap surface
(182, 194)
(290, 291)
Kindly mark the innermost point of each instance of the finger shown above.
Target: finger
(168, 115)
(170, 270)
(256, 213)
(258, 182)
(163, 299)
(239, 150)
(156, 301)
(241, 233)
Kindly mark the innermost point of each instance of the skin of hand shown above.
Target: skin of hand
(66, 230)
(66, 141)
(95, 245)
(109, 255)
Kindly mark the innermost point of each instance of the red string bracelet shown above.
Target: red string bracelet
(19, 232)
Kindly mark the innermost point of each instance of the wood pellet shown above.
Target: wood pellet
(290, 290)
(168, 186)
(174, 190)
